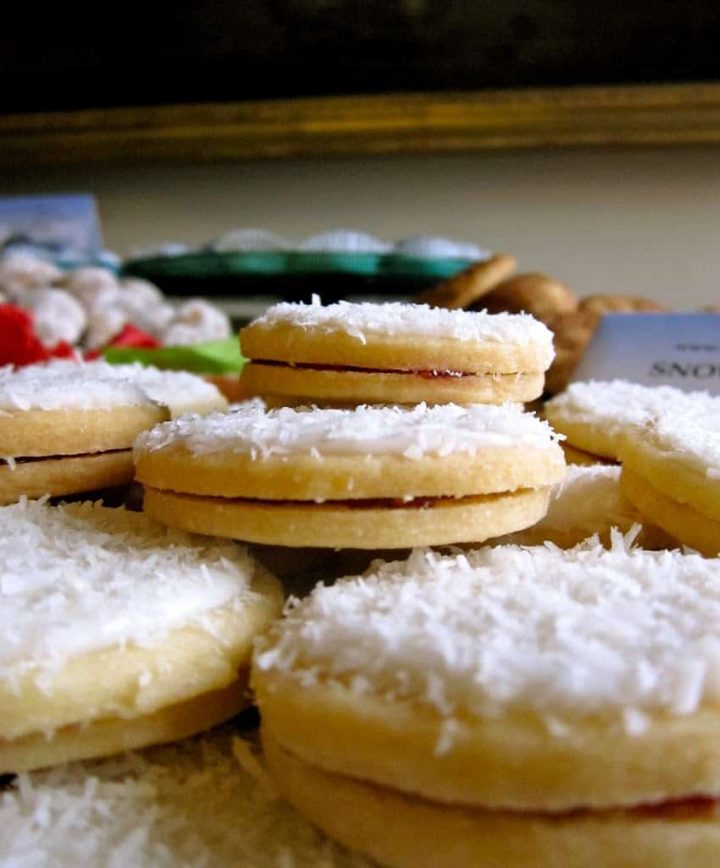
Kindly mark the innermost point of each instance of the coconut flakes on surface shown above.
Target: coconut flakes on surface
(619, 633)
(78, 385)
(365, 430)
(80, 577)
(191, 805)
(617, 405)
(400, 318)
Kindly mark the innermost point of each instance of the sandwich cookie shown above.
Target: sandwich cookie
(394, 353)
(117, 632)
(370, 477)
(508, 707)
(68, 427)
(671, 471)
(596, 415)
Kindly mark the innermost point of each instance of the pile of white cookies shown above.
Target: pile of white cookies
(532, 697)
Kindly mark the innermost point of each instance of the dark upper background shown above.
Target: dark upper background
(217, 50)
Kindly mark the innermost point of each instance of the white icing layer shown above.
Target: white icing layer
(621, 633)
(366, 430)
(81, 577)
(76, 385)
(421, 320)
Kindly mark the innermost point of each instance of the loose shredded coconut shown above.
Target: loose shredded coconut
(620, 632)
(80, 577)
(189, 805)
(365, 430)
(64, 384)
(421, 320)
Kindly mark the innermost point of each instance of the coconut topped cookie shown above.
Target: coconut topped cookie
(515, 678)
(95, 605)
(76, 385)
(596, 415)
(337, 478)
(671, 470)
(395, 353)
(68, 427)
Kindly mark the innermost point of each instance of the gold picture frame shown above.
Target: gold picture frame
(674, 114)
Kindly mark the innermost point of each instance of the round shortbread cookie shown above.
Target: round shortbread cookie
(312, 454)
(311, 477)
(379, 387)
(678, 453)
(82, 411)
(682, 522)
(589, 501)
(402, 831)
(203, 802)
(402, 353)
(432, 521)
(596, 415)
(107, 617)
(508, 678)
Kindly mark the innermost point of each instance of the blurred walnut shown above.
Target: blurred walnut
(472, 283)
(542, 296)
(601, 304)
(572, 334)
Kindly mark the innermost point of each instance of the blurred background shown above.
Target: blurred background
(581, 139)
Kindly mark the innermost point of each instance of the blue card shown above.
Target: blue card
(676, 349)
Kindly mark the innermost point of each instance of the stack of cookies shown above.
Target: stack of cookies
(68, 427)
(432, 450)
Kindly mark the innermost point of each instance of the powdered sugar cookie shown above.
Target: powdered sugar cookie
(68, 427)
(562, 695)
(595, 416)
(370, 477)
(118, 633)
(395, 353)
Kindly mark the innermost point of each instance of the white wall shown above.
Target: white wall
(637, 221)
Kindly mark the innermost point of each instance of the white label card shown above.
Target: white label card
(677, 349)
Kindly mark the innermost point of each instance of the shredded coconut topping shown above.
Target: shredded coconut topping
(616, 632)
(66, 384)
(615, 405)
(80, 577)
(366, 430)
(189, 805)
(397, 318)
(693, 435)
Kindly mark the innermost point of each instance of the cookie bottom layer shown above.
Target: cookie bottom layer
(114, 735)
(407, 832)
(511, 761)
(340, 525)
(681, 521)
(71, 474)
(347, 386)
